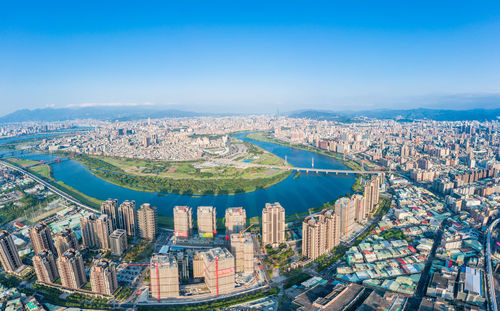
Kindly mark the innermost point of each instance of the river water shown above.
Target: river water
(294, 194)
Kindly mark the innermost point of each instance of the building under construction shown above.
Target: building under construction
(207, 221)
(216, 266)
(164, 276)
(183, 221)
(242, 249)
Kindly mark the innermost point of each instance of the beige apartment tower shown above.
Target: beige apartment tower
(96, 231)
(320, 234)
(127, 217)
(236, 219)
(45, 267)
(8, 253)
(372, 193)
(103, 277)
(344, 207)
(359, 207)
(207, 221)
(243, 252)
(71, 269)
(183, 221)
(273, 224)
(103, 229)
(164, 276)
(41, 238)
(87, 226)
(65, 240)
(118, 242)
(146, 218)
(110, 208)
(216, 266)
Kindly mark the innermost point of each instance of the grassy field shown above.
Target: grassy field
(78, 195)
(182, 177)
(21, 162)
(43, 170)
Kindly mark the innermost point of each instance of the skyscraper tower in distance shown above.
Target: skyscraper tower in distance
(45, 267)
(164, 273)
(183, 221)
(65, 240)
(110, 208)
(236, 219)
(41, 238)
(207, 221)
(273, 224)
(146, 218)
(103, 277)
(8, 253)
(127, 216)
(71, 269)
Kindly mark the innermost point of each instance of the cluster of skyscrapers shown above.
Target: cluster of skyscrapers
(109, 231)
(322, 232)
(58, 257)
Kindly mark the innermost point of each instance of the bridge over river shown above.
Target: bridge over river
(298, 169)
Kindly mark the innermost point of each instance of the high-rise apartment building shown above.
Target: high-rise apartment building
(164, 276)
(207, 221)
(183, 221)
(146, 218)
(71, 269)
(65, 240)
(87, 226)
(96, 231)
(9, 257)
(110, 208)
(103, 277)
(118, 242)
(41, 238)
(103, 229)
(127, 217)
(359, 207)
(344, 207)
(236, 219)
(372, 193)
(216, 266)
(273, 224)
(45, 267)
(320, 234)
(243, 252)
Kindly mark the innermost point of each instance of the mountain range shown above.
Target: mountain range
(121, 113)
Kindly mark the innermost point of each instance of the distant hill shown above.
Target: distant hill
(99, 113)
(410, 114)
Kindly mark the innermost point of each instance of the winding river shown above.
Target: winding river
(295, 194)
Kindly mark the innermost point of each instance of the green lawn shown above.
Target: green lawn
(43, 170)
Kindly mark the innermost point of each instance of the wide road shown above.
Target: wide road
(49, 186)
(490, 284)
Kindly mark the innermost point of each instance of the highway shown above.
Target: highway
(490, 284)
(49, 186)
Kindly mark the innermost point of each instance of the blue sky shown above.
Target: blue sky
(250, 56)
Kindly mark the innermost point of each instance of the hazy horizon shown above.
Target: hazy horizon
(257, 57)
